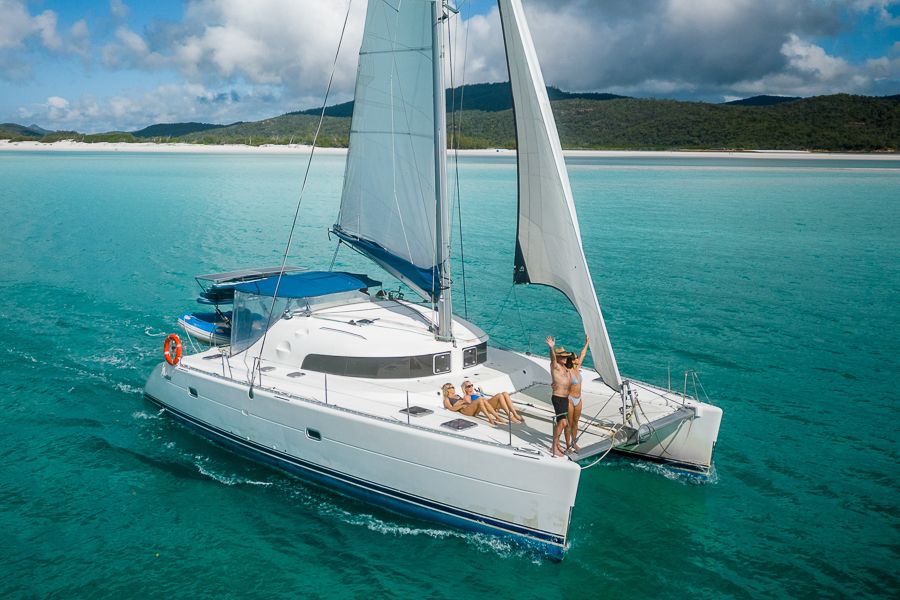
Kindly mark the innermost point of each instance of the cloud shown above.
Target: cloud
(880, 7)
(18, 28)
(685, 48)
(168, 103)
(131, 51)
(118, 9)
(267, 42)
(231, 60)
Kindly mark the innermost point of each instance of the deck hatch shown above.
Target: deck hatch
(417, 411)
(458, 424)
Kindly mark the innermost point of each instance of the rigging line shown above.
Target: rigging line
(593, 420)
(490, 329)
(334, 258)
(521, 322)
(312, 153)
(456, 131)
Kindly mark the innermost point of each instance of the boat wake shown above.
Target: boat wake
(674, 474)
(480, 541)
(143, 415)
(128, 389)
(203, 466)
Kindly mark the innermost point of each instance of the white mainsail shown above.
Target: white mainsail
(388, 202)
(548, 245)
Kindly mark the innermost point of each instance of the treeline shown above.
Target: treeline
(839, 122)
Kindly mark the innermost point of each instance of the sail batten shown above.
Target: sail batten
(548, 240)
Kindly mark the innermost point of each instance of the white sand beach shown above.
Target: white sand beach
(74, 146)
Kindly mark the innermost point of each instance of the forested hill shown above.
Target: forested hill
(488, 97)
(829, 123)
(839, 122)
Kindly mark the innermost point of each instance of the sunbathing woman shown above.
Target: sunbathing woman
(470, 408)
(500, 401)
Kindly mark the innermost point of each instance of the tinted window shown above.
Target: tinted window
(378, 367)
(475, 355)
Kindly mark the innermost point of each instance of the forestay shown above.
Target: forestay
(548, 244)
(388, 203)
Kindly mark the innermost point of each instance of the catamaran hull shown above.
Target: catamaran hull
(686, 444)
(485, 488)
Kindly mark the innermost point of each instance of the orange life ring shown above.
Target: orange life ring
(172, 356)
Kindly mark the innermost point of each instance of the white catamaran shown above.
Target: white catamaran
(326, 379)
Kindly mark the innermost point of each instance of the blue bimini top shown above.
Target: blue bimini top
(308, 284)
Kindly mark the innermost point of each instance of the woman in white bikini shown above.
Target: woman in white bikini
(573, 365)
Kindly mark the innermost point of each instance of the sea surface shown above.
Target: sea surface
(778, 281)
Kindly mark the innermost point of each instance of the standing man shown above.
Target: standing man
(562, 381)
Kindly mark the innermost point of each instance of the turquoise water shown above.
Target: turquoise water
(776, 280)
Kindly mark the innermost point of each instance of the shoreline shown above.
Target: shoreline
(182, 148)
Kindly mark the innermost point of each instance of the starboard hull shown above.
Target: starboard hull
(476, 487)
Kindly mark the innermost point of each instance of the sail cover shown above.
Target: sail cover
(548, 243)
(388, 202)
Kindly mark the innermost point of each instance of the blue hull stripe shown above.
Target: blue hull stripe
(549, 543)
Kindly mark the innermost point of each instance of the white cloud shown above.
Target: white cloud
(882, 8)
(118, 9)
(267, 42)
(18, 26)
(812, 71)
(686, 48)
(168, 103)
(15, 25)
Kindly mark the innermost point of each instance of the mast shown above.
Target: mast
(442, 212)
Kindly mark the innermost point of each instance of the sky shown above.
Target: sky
(120, 65)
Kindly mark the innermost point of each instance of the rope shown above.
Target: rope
(334, 258)
(312, 153)
(502, 308)
(521, 322)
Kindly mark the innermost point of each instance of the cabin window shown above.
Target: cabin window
(442, 362)
(475, 355)
(379, 367)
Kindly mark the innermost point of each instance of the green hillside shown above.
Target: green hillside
(828, 123)
(488, 97)
(170, 130)
(588, 121)
(12, 131)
